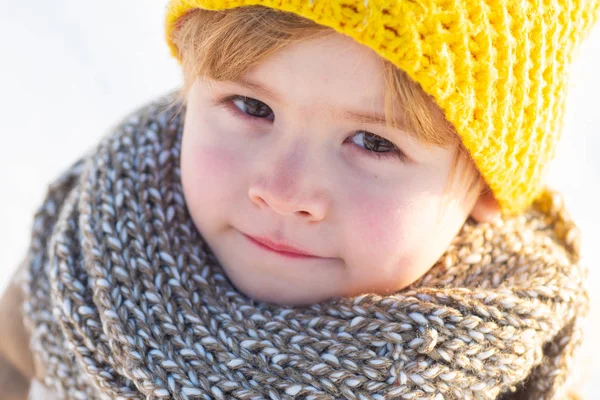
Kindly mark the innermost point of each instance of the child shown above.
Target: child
(344, 200)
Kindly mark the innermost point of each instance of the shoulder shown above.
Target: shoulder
(26, 304)
(14, 338)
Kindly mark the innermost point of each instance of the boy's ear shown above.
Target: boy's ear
(486, 209)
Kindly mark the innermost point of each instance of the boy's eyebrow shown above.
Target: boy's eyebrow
(354, 116)
(257, 87)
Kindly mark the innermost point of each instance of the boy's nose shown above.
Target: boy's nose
(289, 186)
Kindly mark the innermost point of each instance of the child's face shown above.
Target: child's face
(289, 162)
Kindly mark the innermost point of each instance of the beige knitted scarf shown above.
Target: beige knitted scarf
(125, 300)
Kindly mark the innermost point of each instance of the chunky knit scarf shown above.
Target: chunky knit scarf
(125, 300)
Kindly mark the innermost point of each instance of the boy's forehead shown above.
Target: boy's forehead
(333, 68)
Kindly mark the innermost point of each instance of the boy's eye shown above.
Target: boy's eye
(376, 145)
(253, 107)
(368, 143)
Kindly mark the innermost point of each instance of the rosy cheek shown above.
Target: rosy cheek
(377, 222)
(209, 173)
(210, 164)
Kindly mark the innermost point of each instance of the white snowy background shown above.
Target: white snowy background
(71, 69)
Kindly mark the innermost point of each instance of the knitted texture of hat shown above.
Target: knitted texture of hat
(498, 69)
(124, 300)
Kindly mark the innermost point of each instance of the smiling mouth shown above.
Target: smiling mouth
(280, 249)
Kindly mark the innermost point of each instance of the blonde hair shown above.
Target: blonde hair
(223, 45)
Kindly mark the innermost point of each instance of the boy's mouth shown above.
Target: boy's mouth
(280, 248)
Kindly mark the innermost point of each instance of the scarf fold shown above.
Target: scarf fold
(125, 300)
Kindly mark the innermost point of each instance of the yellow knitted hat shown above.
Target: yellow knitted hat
(498, 69)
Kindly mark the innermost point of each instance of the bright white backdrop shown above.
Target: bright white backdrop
(70, 69)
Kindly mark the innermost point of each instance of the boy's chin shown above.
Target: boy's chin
(290, 297)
